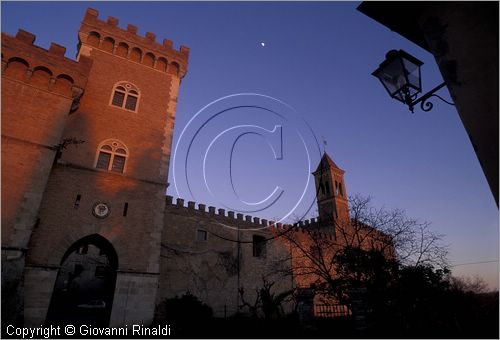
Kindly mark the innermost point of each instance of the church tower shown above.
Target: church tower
(331, 193)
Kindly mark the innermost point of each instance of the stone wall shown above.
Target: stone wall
(463, 37)
(134, 300)
(214, 269)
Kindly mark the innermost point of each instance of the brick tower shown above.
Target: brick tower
(101, 216)
(331, 193)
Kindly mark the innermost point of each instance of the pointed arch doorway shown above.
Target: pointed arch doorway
(85, 284)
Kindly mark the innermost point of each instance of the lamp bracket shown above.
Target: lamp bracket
(423, 100)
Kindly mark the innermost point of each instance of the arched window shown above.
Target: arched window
(111, 156)
(126, 96)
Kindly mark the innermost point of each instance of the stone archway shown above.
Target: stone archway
(85, 284)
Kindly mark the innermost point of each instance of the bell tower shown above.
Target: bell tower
(331, 193)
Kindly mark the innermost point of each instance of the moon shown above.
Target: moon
(263, 44)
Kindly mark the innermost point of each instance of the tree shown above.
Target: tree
(474, 284)
(414, 241)
(365, 251)
(397, 267)
(267, 303)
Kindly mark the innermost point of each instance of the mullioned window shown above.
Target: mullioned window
(125, 96)
(112, 156)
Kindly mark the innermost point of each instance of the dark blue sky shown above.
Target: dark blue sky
(317, 58)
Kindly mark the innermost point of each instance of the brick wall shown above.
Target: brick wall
(38, 87)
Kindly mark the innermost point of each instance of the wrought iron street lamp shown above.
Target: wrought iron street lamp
(400, 75)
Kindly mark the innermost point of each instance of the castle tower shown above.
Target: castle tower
(101, 217)
(331, 193)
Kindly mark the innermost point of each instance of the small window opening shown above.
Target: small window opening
(327, 186)
(125, 208)
(77, 201)
(259, 246)
(118, 164)
(131, 103)
(83, 249)
(118, 98)
(201, 235)
(103, 160)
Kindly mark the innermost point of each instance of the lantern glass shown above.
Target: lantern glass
(412, 74)
(400, 75)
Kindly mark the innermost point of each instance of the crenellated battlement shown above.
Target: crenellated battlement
(47, 69)
(244, 221)
(222, 213)
(126, 43)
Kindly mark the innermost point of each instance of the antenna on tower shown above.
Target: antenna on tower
(324, 144)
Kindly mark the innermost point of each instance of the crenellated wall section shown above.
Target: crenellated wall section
(214, 268)
(107, 36)
(45, 69)
(245, 221)
(39, 89)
